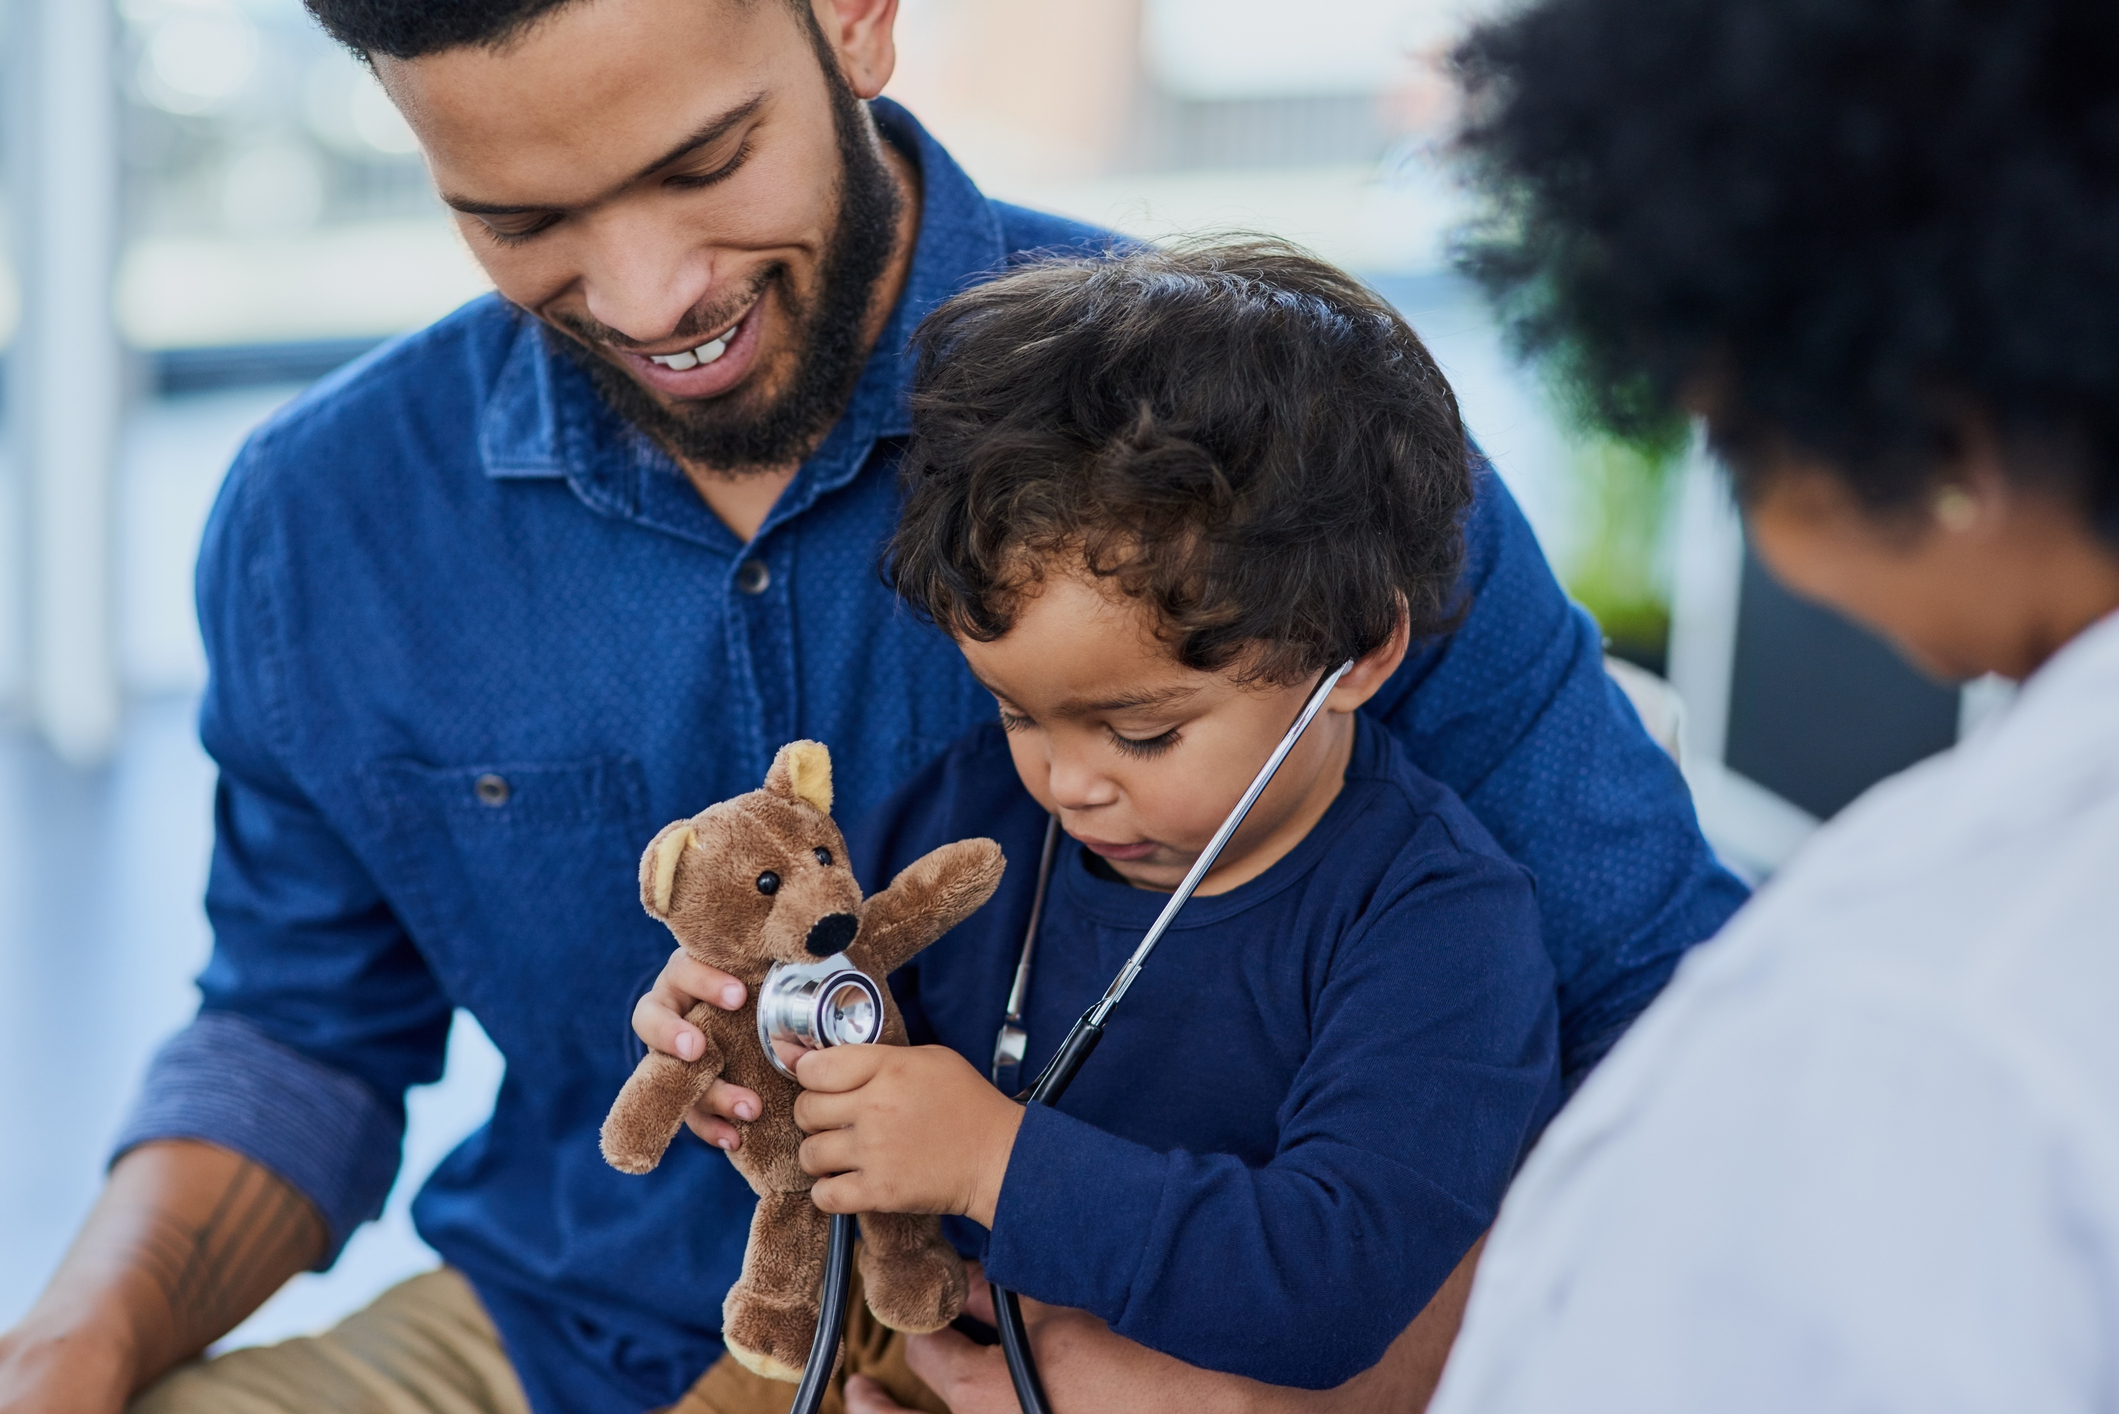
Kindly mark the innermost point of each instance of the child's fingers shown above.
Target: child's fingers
(717, 1132)
(661, 1026)
(694, 980)
(658, 1017)
(817, 1111)
(829, 1153)
(709, 1119)
(840, 1068)
(844, 1193)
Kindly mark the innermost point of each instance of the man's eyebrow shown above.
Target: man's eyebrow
(708, 132)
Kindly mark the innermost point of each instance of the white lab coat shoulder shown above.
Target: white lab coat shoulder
(1864, 1152)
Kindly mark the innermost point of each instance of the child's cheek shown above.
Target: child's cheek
(1032, 766)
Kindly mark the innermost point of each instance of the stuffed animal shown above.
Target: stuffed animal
(761, 879)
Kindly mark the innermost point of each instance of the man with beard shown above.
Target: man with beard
(485, 609)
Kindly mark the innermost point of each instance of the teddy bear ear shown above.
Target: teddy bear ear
(802, 771)
(658, 868)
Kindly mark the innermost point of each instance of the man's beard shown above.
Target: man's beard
(830, 330)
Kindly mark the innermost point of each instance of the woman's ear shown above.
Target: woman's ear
(1374, 668)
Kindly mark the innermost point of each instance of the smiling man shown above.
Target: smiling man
(485, 609)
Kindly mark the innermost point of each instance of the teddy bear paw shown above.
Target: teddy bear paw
(769, 1339)
(918, 1291)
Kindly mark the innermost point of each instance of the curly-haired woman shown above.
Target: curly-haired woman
(1864, 1152)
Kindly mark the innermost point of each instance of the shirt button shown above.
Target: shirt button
(752, 576)
(492, 790)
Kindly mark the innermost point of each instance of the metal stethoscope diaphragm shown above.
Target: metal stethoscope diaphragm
(807, 1006)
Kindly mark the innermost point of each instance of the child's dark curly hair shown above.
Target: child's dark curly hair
(1841, 229)
(1240, 436)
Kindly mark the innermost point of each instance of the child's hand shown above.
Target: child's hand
(658, 1020)
(904, 1130)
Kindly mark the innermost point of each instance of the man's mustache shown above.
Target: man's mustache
(593, 332)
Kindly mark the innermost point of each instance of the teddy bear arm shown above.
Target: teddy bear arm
(651, 1108)
(930, 896)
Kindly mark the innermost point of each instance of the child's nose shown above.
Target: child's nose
(1075, 785)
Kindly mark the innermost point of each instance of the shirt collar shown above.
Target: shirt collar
(543, 419)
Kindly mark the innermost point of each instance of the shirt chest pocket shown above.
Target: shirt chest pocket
(519, 883)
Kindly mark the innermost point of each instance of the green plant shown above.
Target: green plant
(1617, 574)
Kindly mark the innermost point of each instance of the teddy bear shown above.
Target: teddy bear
(754, 881)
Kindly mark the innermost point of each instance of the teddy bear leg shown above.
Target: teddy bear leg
(770, 1316)
(913, 1277)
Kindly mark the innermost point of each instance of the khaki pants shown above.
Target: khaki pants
(426, 1346)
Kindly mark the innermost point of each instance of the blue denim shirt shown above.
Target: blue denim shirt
(472, 640)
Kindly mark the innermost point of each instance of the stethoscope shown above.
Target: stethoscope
(1010, 1044)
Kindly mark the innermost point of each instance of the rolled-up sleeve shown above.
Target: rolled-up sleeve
(224, 1081)
(317, 1010)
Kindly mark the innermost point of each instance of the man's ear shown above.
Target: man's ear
(802, 771)
(861, 33)
(1374, 668)
(658, 868)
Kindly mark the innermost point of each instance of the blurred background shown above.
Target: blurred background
(209, 205)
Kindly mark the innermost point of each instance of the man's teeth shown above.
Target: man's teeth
(692, 358)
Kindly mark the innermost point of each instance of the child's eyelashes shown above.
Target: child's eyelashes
(1144, 747)
(1140, 748)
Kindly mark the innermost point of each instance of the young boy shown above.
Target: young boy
(1155, 498)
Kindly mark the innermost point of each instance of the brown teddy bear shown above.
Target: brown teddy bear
(754, 881)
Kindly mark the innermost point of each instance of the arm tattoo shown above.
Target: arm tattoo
(214, 1270)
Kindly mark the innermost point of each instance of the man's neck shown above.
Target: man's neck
(743, 502)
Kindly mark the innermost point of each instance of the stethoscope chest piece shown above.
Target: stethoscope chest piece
(809, 1006)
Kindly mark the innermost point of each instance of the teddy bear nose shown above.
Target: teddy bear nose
(831, 934)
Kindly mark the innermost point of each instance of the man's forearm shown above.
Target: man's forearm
(1403, 1380)
(186, 1240)
(1086, 1367)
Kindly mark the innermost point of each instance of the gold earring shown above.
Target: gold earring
(1954, 509)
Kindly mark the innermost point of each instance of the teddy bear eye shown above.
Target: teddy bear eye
(823, 857)
(768, 882)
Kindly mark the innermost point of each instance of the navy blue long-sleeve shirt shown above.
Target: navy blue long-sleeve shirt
(1306, 1109)
(472, 639)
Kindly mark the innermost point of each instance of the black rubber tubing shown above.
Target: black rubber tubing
(837, 1286)
(832, 1300)
(1058, 1074)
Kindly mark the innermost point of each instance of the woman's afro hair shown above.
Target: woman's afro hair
(1842, 229)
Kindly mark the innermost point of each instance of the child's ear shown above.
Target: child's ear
(1374, 668)
(658, 868)
(802, 771)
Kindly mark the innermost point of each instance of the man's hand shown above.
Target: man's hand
(905, 1129)
(658, 1020)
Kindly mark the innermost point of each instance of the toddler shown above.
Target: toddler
(1155, 498)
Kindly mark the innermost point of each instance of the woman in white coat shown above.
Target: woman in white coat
(1863, 1154)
